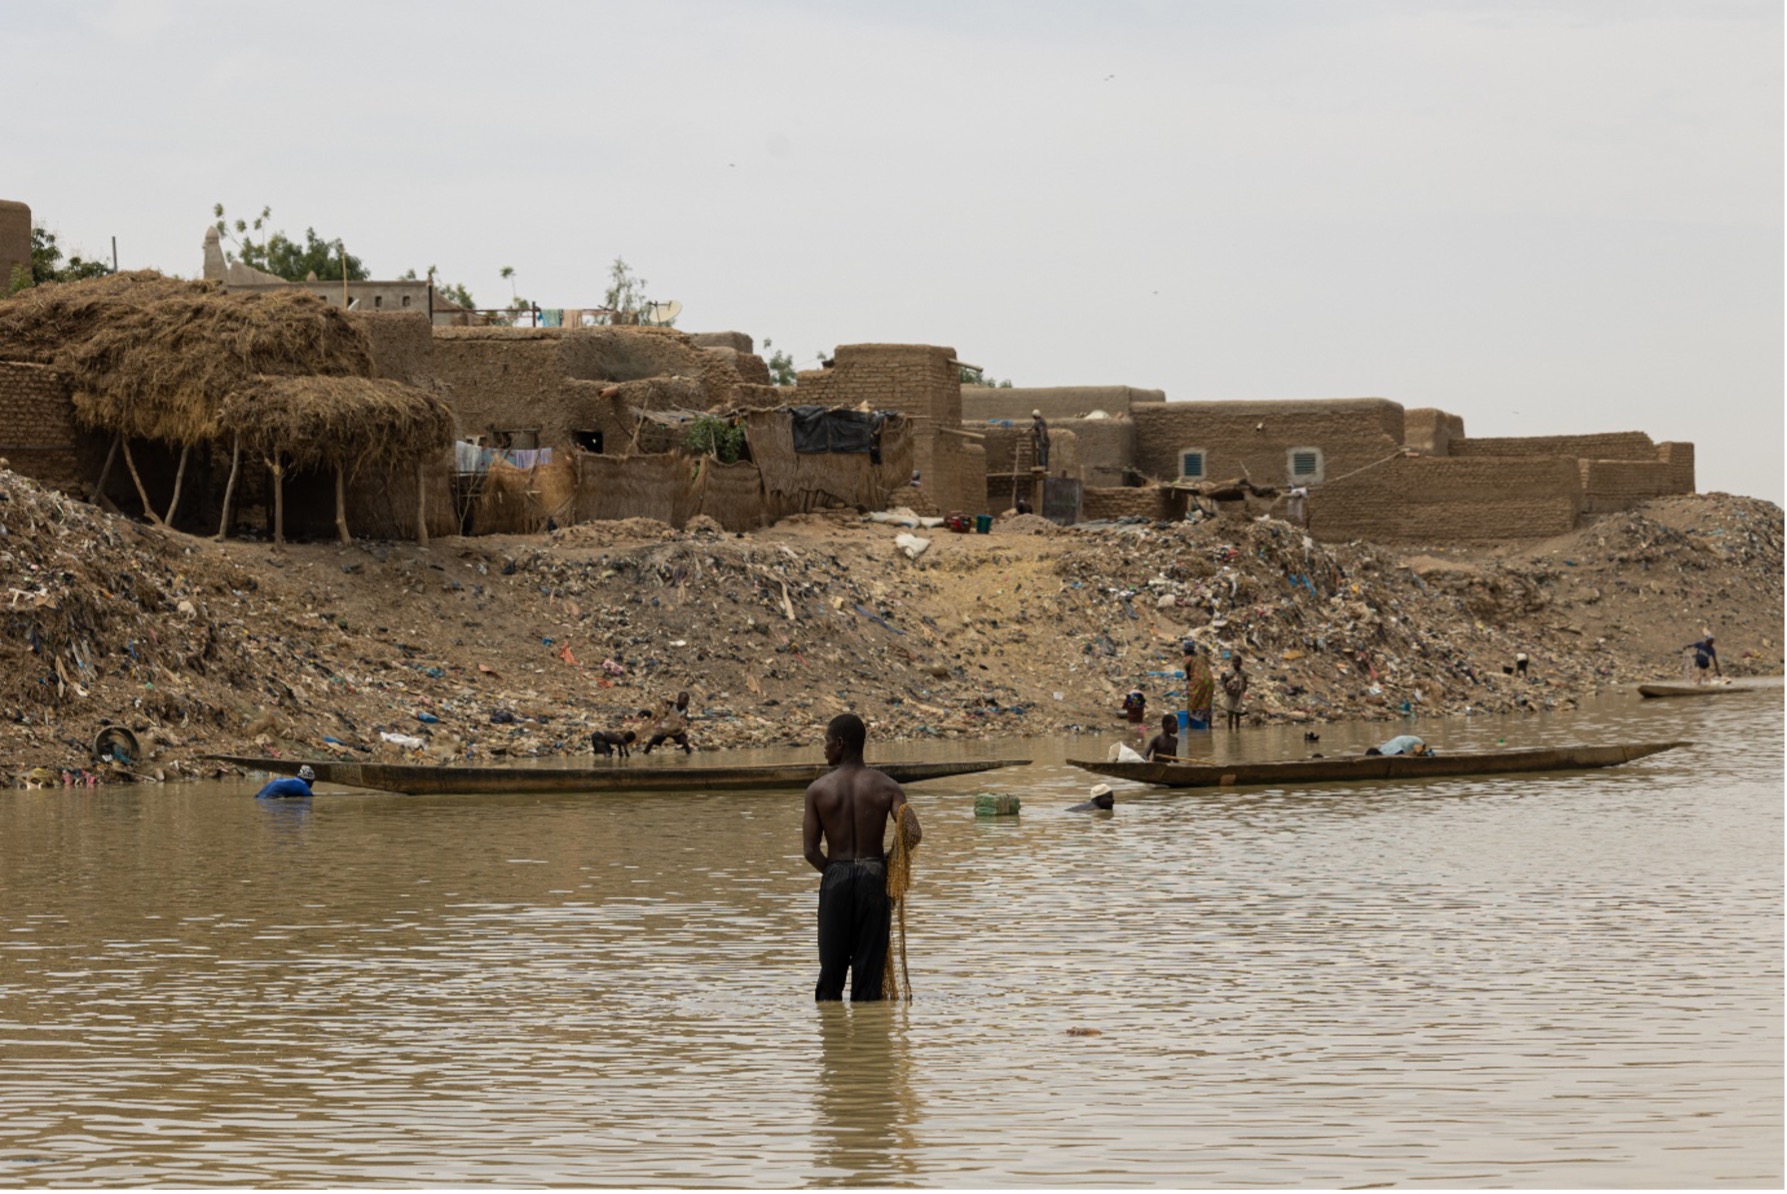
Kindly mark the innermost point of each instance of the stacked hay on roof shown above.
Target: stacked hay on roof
(184, 364)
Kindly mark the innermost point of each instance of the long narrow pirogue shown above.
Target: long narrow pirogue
(1696, 690)
(1367, 767)
(424, 780)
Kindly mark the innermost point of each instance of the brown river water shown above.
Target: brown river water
(1558, 981)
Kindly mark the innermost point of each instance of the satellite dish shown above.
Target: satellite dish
(663, 314)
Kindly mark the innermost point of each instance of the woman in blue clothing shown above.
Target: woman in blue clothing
(288, 787)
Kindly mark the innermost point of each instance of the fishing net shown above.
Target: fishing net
(896, 982)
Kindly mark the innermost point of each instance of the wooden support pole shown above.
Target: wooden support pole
(341, 504)
(278, 502)
(105, 471)
(142, 494)
(229, 489)
(422, 502)
(179, 480)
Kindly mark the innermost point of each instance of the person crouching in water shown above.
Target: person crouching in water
(609, 743)
(848, 810)
(1135, 712)
(1164, 746)
(289, 788)
(673, 726)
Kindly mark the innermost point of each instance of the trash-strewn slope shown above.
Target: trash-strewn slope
(480, 648)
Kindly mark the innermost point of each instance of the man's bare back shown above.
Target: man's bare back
(843, 833)
(849, 809)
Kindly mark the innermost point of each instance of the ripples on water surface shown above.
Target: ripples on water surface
(1562, 981)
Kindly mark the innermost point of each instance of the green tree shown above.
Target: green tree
(712, 435)
(978, 377)
(46, 264)
(781, 366)
(272, 250)
(625, 296)
(453, 292)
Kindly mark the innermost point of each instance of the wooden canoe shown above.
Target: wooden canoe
(1691, 690)
(424, 780)
(1370, 767)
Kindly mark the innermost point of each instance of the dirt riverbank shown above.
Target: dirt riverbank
(497, 647)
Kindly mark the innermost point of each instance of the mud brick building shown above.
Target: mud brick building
(38, 436)
(922, 382)
(1373, 469)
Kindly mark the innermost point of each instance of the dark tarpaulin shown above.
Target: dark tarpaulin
(822, 429)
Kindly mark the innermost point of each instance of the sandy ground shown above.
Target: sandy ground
(480, 649)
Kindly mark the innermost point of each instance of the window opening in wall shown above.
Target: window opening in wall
(589, 441)
(1191, 463)
(1304, 465)
(406, 300)
(378, 300)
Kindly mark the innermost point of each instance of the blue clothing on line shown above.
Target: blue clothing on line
(284, 788)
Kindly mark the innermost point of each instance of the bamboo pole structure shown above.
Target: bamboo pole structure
(421, 502)
(341, 532)
(142, 493)
(105, 470)
(179, 480)
(229, 489)
(278, 502)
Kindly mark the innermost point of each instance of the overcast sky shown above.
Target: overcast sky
(1547, 217)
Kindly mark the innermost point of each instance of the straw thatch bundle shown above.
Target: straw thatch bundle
(43, 322)
(349, 421)
(520, 500)
(659, 486)
(164, 369)
(730, 494)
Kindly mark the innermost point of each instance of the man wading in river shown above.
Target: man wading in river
(848, 810)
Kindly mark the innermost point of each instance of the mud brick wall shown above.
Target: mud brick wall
(954, 470)
(499, 384)
(1104, 449)
(1055, 402)
(38, 437)
(402, 344)
(1680, 459)
(1434, 499)
(1613, 445)
(15, 240)
(1253, 439)
(1609, 485)
(1149, 501)
(921, 380)
(1431, 431)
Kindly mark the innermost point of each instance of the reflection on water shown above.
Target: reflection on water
(1561, 980)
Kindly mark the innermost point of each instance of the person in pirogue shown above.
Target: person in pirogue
(1705, 656)
(848, 810)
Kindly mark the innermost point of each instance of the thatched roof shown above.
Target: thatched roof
(350, 420)
(42, 322)
(157, 358)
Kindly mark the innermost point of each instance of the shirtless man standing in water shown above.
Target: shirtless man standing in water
(848, 810)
